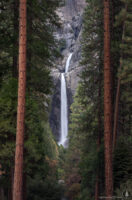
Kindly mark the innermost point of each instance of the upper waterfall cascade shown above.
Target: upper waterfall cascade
(68, 63)
(64, 106)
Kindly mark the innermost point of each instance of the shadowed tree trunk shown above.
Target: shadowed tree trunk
(18, 174)
(107, 103)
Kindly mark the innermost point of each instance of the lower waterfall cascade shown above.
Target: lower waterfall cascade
(64, 105)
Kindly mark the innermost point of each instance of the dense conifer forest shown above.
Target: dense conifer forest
(97, 163)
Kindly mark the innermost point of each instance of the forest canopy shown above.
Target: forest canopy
(97, 161)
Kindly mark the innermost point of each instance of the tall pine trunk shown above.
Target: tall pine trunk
(18, 174)
(107, 103)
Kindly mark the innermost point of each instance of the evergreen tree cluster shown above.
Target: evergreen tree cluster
(40, 148)
(82, 164)
(84, 168)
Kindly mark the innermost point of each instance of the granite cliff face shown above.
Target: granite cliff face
(69, 35)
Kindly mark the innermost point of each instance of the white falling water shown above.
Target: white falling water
(68, 63)
(64, 107)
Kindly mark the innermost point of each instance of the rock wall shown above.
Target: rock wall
(73, 8)
(69, 35)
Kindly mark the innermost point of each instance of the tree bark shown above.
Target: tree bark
(18, 174)
(107, 103)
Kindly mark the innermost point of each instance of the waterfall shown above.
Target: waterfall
(68, 63)
(64, 107)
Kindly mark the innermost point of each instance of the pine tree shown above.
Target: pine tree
(107, 103)
(18, 174)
